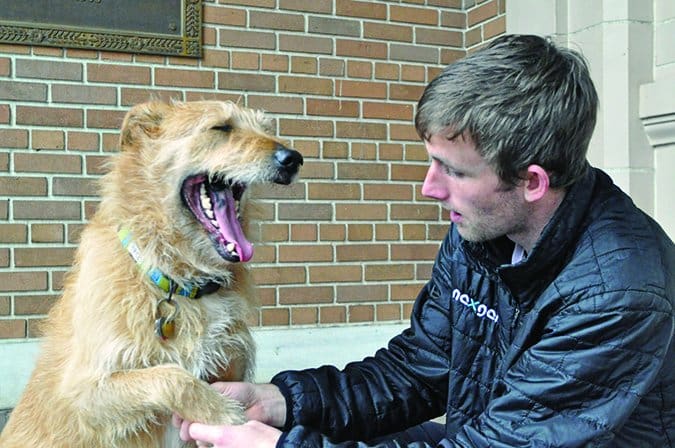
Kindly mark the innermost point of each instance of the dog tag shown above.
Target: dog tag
(165, 328)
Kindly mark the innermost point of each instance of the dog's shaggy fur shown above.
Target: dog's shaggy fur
(104, 378)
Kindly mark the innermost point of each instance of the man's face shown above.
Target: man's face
(480, 205)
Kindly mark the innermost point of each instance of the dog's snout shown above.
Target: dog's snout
(287, 158)
(287, 163)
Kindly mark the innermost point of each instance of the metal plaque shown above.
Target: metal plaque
(168, 27)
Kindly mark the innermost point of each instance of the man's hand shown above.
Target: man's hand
(251, 434)
(262, 402)
(264, 406)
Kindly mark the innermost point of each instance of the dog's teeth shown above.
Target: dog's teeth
(215, 224)
(206, 203)
(230, 247)
(209, 213)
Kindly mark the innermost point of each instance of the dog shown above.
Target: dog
(157, 302)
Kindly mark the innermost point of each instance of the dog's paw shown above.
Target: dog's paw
(212, 408)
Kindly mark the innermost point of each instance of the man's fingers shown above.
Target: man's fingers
(205, 433)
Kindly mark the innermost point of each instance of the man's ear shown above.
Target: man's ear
(142, 121)
(537, 183)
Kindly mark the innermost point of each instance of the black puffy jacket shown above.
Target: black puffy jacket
(570, 348)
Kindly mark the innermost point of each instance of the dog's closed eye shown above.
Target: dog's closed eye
(223, 127)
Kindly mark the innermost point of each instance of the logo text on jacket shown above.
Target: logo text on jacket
(480, 309)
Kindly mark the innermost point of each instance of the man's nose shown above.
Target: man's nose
(432, 187)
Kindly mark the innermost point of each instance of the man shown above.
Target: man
(548, 320)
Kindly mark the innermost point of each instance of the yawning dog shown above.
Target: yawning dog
(156, 303)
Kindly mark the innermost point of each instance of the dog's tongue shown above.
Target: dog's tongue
(226, 215)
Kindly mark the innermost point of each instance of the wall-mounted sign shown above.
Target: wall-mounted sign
(168, 27)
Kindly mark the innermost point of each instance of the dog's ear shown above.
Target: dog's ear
(141, 122)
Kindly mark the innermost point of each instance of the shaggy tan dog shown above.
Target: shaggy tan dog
(157, 301)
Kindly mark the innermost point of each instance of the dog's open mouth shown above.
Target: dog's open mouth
(215, 204)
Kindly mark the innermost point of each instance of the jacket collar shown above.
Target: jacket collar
(527, 279)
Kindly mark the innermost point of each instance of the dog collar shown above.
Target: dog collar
(158, 278)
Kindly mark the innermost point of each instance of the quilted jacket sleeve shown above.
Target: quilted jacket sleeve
(578, 384)
(398, 387)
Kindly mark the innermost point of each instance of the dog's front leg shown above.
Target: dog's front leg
(146, 395)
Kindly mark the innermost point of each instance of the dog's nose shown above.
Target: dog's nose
(287, 158)
(287, 162)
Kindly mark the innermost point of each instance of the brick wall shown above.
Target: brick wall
(352, 242)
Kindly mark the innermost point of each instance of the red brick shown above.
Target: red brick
(304, 44)
(332, 191)
(361, 252)
(305, 253)
(362, 293)
(303, 295)
(335, 150)
(49, 116)
(407, 14)
(47, 163)
(133, 95)
(361, 130)
(388, 192)
(118, 74)
(4, 306)
(304, 315)
(304, 232)
(387, 312)
(23, 186)
(105, 119)
(335, 274)
(245, 61)
(387, 71)
(296, 127)
(389, 272)
(352, 212)
(277, 316)
(413, 232)
(305, 85)
(13, 233)
(361, 49)
(276, 21)
(305, 212)
(389, 32)
(407, 291)
(332, 314)
(414, 211)
(223, 16)
(363, 151)
(332, 232)
(247, 39)
(276, 104)
(363, 171)
(414, 251)
(361, 313)
(23, 281)
(47, 233)
(35, 304)
(13, 138)
(366, 10)
(66, 186)
(247, 82)
(408, 172)
(361, 89)
(77, 93)
(387, 232)
(51, 210)
(278, 275)
(48, 139)
(12, 328)
(388, 111)
(184, 78)
(360, 232)
(45, 256)
(482, 13)
(87, 141)
(332, 108)
(324, 6)
(275, 62)
(408, 92)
